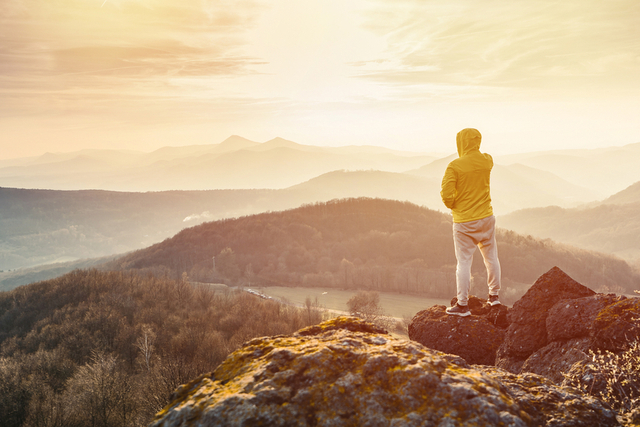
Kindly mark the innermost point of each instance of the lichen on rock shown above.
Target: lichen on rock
(345, 372)
(617, 325)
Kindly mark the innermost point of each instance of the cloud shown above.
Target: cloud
(169, 59)
(125, 37)
(506, 44)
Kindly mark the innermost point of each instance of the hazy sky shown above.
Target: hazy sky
(407, 74)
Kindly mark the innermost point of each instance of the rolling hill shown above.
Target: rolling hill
(612, 226)
(45, 226)
(630, 194)
(373, 183)
(362, 243)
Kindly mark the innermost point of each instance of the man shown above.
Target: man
(465, 190)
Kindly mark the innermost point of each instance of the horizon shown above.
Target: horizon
(141, 75)
(439, 155)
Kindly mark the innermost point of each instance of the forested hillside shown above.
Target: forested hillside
(365, 244)
(107, 348)
(612, 226)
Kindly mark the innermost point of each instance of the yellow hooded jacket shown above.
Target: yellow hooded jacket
(465, 186)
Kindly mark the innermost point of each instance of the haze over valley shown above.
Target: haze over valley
(566, 177)
(240, 177)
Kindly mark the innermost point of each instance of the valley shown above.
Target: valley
(393, 304)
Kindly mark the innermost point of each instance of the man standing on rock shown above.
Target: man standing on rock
(465, 190)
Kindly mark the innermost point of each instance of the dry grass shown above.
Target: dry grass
(611, 377)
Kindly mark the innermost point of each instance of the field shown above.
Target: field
(395, 305)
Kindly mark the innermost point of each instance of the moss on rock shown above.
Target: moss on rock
(348, 373)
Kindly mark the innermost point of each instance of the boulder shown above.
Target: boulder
(574, 318)
(475, 338)
(345, 372)
(617, 325)
(509, 362)
(557, 357)
(527, 332)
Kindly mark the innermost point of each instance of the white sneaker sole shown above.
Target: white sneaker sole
(468, 313)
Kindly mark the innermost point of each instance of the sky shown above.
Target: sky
(405, 74)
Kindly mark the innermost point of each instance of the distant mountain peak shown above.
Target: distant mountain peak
(281, 142)
(237, 142)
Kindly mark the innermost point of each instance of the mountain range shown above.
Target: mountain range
(236, 163)
(567, 178)
(44, 226)
(604, 170)
(610, 226)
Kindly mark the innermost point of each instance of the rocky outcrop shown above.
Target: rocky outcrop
(345, 372)
(558, 322)
(527, 332)
(557, 357)
(571, 329)
(552, 327)
(475, 338)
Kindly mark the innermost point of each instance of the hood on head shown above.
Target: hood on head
(467, 140)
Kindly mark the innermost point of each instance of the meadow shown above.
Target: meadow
(393, 304)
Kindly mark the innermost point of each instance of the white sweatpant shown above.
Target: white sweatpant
(466, 236)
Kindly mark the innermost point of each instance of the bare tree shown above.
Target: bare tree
(183, 289)
(312, 307)
(145, 344)
(205, 295)
(365, 305)
(15, 396)
(99, 394)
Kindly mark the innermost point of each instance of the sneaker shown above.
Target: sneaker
(494, 300)
(459, 310)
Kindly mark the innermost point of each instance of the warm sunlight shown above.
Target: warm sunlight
(319, 213)
(404, 74)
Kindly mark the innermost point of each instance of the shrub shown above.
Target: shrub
(366, 305)
(611, 377)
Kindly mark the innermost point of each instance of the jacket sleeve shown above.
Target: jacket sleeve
(448, 192)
